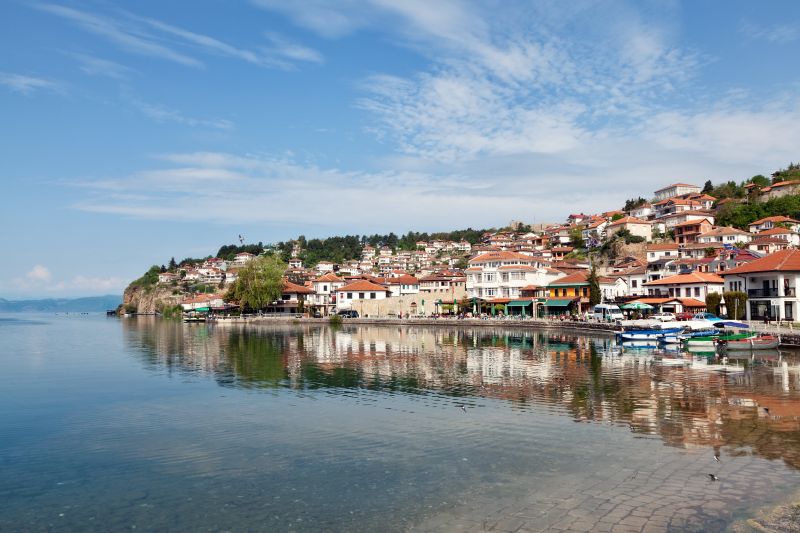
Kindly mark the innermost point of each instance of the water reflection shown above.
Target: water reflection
(678, 397)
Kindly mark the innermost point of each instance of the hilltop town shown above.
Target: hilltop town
(678, 252)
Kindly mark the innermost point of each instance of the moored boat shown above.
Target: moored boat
(756, 342)
(648, 334)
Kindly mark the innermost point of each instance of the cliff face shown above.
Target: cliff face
(149, 299)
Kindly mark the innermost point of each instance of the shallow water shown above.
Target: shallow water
(110, 424)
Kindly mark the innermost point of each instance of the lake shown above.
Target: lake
(147, 424)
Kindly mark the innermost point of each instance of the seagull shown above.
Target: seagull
(462, 406)
(713, 477)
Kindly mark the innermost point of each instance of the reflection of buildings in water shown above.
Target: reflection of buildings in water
(586, 377)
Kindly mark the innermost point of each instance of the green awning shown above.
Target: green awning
(519, 303)
(558, 303)
(201, 309)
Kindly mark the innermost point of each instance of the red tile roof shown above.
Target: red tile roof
(290, 287)
(329, 277)
(499, 256)
(629, 220)
(775, 219)
(362, 286)
(782, 261)
(578, 278)
(694, 277)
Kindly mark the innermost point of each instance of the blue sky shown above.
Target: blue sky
(137, 131)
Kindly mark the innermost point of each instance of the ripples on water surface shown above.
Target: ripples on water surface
(109, 424)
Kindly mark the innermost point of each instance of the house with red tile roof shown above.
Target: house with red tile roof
(696, 285)
(772, 222)
(636, 226)
(771, 285)
(348, 296)
(676, 189)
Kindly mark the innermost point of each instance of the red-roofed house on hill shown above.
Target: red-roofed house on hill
(676, 189)
(772, 222)
(636, 226)
(688, 232)
(771, 285)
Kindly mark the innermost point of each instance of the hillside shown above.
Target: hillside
(91, 304)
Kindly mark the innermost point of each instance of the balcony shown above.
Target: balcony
(790, 291)
(763, 293)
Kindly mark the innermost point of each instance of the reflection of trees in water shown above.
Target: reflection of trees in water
(530, 369)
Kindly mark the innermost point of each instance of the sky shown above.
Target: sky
(133, 132)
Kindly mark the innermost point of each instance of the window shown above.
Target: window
(360, 295)
(324, 288)
(634, 283)
(697, 291)
(349, 295)
(372, 296)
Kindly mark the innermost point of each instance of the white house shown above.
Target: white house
(661, 250)
(676, 189)
(771, 285)
(792, 237)
(696, 285)
(644, 211)
(325, 292)
(725, 235)
(771, 222)
(402, 285)
(636, 226)
(502, 274)
(348, 296)
(242, 258)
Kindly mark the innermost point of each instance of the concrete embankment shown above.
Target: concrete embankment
(437, 322)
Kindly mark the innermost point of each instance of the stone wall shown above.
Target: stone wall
(409, 303)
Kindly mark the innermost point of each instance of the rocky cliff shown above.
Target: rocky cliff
(149, 299)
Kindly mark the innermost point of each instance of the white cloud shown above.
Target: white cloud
(26, 85)
(39, 274)
(41, 280)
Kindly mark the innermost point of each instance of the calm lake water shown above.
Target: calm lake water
(145, 424)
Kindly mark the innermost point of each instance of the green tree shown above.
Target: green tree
(576, 238)
(735, 304)
(708, 187)
(259, 282)
(172, 265)
(595, 296)
(712, 302)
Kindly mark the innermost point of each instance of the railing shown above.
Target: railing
(789, 291)
(762, 293)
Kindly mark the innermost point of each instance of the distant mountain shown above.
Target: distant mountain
(88, 304)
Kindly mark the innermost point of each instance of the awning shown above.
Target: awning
(558, 303)
(519, 303)
(201, 309)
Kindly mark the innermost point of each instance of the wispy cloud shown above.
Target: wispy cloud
(147, 36)
(126, 37)
(96, 66)
(164, 114)
(777, 33)
(22, 84)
